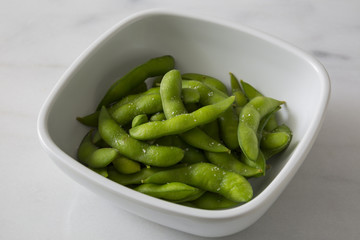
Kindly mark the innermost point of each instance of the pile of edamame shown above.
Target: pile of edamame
(186, 139)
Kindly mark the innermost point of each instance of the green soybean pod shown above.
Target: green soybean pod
(213, 201)
(91, 120)
(208, 95)
(190, 96)
(170, 90)
(152, 68)
(146, 104)
(116, 137)
(191, 197)
(259, 163)
(191, 154)
(228, 120)
(249, 90)
(96, 138)
(240, 98)
(131, 179)
(229, 162)
(125, 165)
(160, 116)
(249, 121)
(181, 123)
(132, 97)
(139, 119)
(251, 93)
(264, 121)
(171, 93)
(130, 106)
(199, 139)
(98, 141)
(211, 81)
(275, 142)
(174, 191)
(208, 177)
(93, 156)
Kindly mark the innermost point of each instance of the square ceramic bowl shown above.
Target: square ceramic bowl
(198, 44)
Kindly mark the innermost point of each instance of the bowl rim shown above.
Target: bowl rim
(284, 176)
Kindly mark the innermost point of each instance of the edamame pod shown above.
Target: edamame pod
(147, 104)
(259, 163)
(129, 107)
(273, 140)
(191, 154)
(276, 141)
(229, 162)
(154, 67)
(130, 179)
(211, 81)
(251, 93)
(125, 165)
(181, 123)
(264, 121)
(208, 177)
(240, 98)
(249, 90)
(116, 137)
(190, 96)
(98, 141)
(139, 119)
(213, 201)
(174, 191)
(93, 156)
(132, 97)
(91, 120)
(208, 96)
(160, 116)
(228, 120)
(249, 121)
(199, 139)
(170, 90)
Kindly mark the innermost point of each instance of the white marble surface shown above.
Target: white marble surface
(39, 39)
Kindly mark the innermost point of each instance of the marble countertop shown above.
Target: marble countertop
(39, 39)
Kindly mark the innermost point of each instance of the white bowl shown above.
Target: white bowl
(198, 44)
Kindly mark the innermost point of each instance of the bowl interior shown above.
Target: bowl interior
(198, 45)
